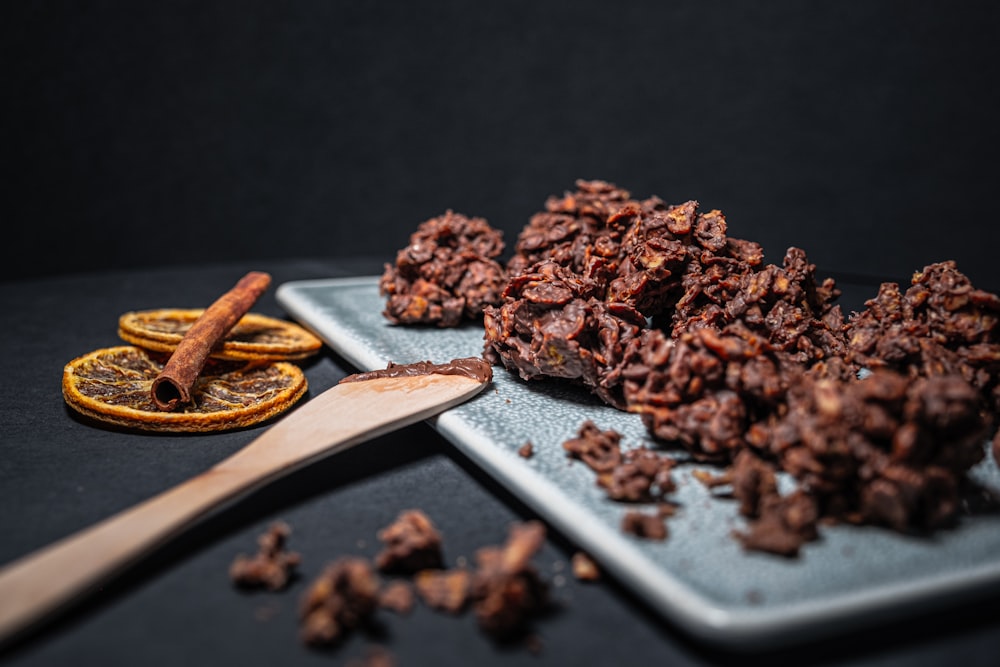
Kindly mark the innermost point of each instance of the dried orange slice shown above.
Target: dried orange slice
(254, 337)
(112, 385)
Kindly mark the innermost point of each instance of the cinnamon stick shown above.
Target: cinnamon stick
(172, 387)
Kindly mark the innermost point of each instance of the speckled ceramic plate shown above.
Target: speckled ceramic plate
(699, 578)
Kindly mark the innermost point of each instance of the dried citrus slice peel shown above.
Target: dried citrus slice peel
(254, 337)
(112, 385)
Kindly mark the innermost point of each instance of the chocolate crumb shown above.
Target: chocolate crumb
(375, 656)
(584, 567)
(341, 599)
(412, 543)
(648, 526)
(397, 596)
(272, 567)
(507, 590)
(527, 450)
(444, 590)
(600, 450)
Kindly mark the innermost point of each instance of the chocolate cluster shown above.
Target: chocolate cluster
(447, 273)
(752, 366)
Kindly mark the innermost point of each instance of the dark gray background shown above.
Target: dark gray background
(184, 132)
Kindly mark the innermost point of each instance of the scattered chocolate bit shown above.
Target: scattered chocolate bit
(783, 525)
(412, 543)
(341, 599)
(667, 509)
(506, 588)
(642, 476)
(753, 480)
(584, 567)
(447, 273)
(526, 451)
(712, 480)
(375, 656)
(397, 596)
(600, 450)
(638, 475)
(444, 590)
(648, 526)
(272, 567)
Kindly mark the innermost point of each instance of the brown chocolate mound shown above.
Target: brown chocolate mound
(447, 273)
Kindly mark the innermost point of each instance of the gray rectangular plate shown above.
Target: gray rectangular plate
(699, 578)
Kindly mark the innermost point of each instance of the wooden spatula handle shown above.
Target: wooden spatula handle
(347, 414)
(38, 584)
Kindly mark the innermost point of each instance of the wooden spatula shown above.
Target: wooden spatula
(348, 414)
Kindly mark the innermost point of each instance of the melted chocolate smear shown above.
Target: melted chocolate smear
(471, 367)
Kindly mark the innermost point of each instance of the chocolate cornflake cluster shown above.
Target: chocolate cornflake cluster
(704, 390)
(272, 567)
(555, 324)
(889, 449)
(447, 273)
(572, 230)
(636, 475)
(941, 325)
(575, 302)
(751, 366)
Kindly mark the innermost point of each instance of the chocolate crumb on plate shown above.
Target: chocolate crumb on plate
(648, 526)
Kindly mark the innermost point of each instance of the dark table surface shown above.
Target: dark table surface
(59, 474)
